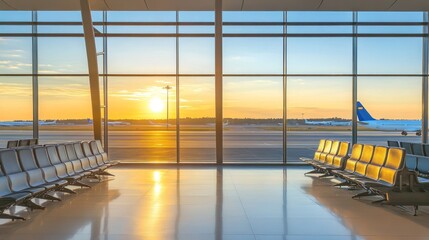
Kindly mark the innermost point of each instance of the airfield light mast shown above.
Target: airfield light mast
(168, 87)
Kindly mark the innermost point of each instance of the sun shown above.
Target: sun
(156, 105)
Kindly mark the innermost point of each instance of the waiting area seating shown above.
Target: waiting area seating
(22, 143)
(378, 170)
(39, 171)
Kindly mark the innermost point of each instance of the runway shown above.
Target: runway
(241, 145)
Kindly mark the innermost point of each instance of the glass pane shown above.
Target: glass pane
(15, 16)
(253, 112)
(390, 113)
(196, 16)
(318, 107)
(142, 55)
(321, 16)
(16, 109)
(141, 16)
(253, 29)
(141, 29)
(62, 55)
(59, 16)
(253, 55)
(390, 16)
(15, 55)
(390, 55)
(196, 55)
(59, 99)
(250, 16)
(138, 111)
(319, 55)
(197, 119)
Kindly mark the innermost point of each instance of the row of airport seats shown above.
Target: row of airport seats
(22, 143)
(378, 170)
(417, 158)
(38, 172)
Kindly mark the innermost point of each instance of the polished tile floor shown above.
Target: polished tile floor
(236, 203)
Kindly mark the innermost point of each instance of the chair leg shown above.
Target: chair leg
(66, 190)
(312, 171)
(379, 201)
(49, 197)
(105, 174)
(363, 194)
(416, 208)
(325, 175)
(80, 184)
(12, 217)
(31, 205)
(341, 184)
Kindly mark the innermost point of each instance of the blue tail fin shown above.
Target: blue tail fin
(362, 113)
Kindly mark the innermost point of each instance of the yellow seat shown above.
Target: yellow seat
(354, 157)
(378, 159)
(322, 144)
(332, 153)
(365, 158)
(342, 153)
(394, 163)
(328, 146)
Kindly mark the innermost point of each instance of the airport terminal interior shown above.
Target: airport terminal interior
(214, 119)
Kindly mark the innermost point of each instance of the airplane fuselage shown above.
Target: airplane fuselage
(393, 125)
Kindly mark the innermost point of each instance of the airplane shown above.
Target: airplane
(327, 123)
(404, 126)
(25, 123)
(318, 123)
(116, 123)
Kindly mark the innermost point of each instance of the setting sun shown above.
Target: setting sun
(156, 105)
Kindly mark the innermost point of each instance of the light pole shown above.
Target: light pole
(168, 87)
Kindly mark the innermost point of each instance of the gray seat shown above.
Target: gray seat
(18, 178)
(35, 174)
(393, 143)
(62, 169)
(24, 142)
(79, 153)
(407, 147)
(9, 198)
(417, 149)
(79, 164)
(102, 152)
(33, 142)
(12, 144)
(88, 154)
(76, 165)
(49, 171)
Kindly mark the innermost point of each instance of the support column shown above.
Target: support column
(218, 81)
(425, 62)
(105, 87)
(35, 79)
(177, 91)
(354, 84)
(91, 54)
(284, 88)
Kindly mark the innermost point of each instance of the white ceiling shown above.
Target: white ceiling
(228, 5)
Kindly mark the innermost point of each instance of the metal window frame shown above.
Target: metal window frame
(219, 36)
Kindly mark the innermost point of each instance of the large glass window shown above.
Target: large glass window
(142, 55)
(197, 119)
(64, 109)
(253, 110)
(142, 118)
(318, 107)
(145, 59)
(393, 107)
(16, 109)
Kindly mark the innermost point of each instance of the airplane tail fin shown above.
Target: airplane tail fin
(362, 113)
(89, 120)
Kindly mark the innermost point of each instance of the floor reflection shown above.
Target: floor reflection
(215, 203)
